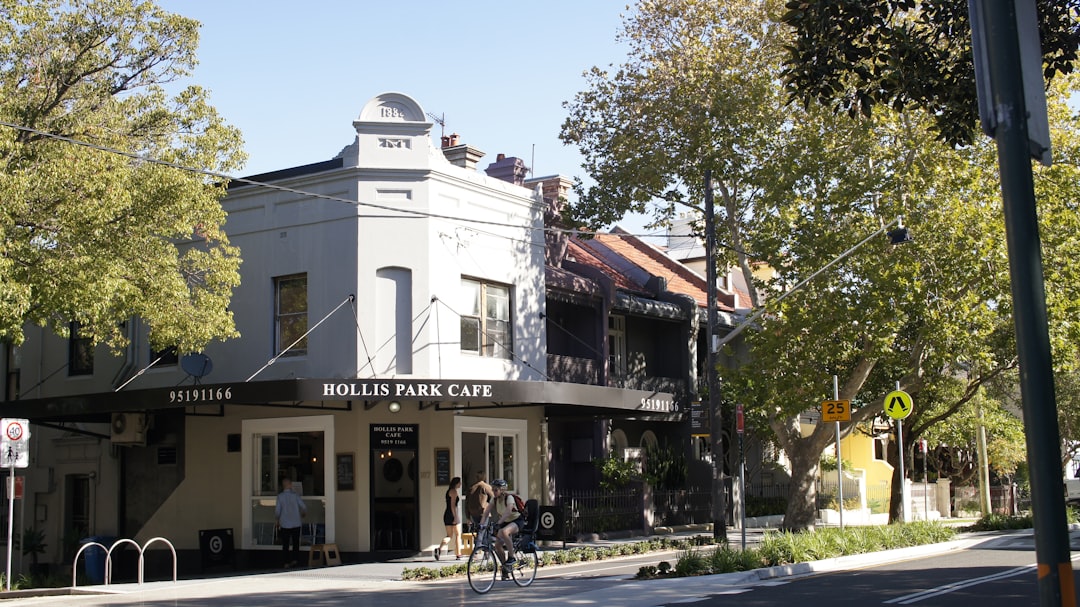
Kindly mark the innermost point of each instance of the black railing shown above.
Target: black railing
(629, 509)
(682, 507)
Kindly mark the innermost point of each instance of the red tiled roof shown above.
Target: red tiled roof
(654, 262)
(578, 252)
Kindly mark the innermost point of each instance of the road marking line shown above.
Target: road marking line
(953, 587)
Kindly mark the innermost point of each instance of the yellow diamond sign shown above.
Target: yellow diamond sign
(898, 404)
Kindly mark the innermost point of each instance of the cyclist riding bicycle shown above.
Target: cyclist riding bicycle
(504, 506)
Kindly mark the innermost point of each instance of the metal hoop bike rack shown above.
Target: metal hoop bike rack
(108, 558)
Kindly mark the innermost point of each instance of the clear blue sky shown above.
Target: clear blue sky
(293, 76)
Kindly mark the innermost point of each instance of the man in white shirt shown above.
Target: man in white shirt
(290, 510)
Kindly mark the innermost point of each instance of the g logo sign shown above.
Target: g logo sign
(547, 520)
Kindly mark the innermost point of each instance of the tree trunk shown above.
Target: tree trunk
(802, 496)
(896, 495)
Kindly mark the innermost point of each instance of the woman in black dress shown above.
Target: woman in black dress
(451, 519)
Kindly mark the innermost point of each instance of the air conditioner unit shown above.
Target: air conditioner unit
(128, 429)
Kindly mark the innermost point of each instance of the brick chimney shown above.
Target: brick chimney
(508, 169)
(460, 154)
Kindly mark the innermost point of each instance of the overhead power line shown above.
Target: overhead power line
(281, 188)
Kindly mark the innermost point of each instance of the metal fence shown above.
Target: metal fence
(628, 509)
(682, 507)
(598, 511)
(1003, 499)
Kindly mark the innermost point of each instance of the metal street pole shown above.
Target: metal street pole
(925, 481)
(903, 480)
(1055, 573)
(839, 460)
(716, 425)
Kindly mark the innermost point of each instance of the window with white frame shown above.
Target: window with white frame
(290, 314)
(300, 449)
(617, 346)
(485, 319)
(494, 446)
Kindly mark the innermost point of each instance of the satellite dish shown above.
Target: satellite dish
(196, 364)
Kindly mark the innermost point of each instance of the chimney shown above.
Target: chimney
(459, 154)
(508, 169)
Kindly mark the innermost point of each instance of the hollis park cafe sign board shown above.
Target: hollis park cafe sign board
(455, 392)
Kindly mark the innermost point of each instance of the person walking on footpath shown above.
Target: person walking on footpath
(290, 510)
(452, 519)
(476, 500)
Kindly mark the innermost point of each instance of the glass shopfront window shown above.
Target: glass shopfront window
(300, 449)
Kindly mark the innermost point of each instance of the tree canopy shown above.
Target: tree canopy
(855, 55)
(96, 226)
(798, 185)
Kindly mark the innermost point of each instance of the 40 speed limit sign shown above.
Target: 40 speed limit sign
(14, 443)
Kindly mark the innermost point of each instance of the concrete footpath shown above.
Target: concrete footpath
(386, 575)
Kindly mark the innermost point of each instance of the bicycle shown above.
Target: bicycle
(485, 563)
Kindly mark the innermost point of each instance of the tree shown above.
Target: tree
(798, 186)
(94, 229)
(855, 55)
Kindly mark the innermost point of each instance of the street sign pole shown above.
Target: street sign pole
(926, 483)
(900, 445)
(10, 520)
(740, 427)
(839, 460)
(898, 406)
(14, 453)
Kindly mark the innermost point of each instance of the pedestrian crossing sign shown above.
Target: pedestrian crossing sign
(898, 404)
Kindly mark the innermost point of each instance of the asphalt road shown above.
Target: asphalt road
(997, 572)
(987, 570)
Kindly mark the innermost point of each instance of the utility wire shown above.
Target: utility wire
(301, 338)
(394, 210)
(370, 361)
(141, 371)
(513, 355)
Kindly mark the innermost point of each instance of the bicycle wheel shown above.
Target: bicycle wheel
(524, 570)
(482, 569)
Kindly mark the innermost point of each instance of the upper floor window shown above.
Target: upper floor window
(80, 352)
(14, 362)
(617, 346)
(290, 314)
(485, 319)
(164, 358)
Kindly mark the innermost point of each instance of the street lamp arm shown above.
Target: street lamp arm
(757, 313)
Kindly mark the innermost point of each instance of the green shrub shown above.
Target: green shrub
(691, 562)
(725, 559)
(647, 571)
(997, 522)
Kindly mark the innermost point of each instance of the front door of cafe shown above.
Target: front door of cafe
(394, 487)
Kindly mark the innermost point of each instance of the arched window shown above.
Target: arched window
(617, 444)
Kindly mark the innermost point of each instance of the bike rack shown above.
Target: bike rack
(108, 558)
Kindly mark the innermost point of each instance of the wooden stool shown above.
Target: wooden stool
(467, 542)
(323, 555)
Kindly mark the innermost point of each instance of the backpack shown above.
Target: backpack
(519, 505)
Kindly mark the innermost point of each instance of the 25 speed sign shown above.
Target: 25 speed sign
(836, 410)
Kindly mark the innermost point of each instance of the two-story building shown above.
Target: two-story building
(394, 335)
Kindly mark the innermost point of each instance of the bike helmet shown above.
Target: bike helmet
(499, 484)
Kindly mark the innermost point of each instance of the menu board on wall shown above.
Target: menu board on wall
(346, 472)
(442, 466)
